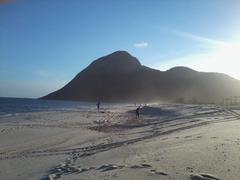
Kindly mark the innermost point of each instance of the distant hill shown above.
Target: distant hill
(120, 77)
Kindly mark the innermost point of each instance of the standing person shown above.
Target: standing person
(98, 105)
(138, 112)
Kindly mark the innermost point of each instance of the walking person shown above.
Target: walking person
(137, 112)
(98, 105)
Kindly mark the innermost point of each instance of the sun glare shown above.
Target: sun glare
(226, 59)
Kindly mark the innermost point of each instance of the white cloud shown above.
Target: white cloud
(198, 38)
(141, 45)
(194, 37)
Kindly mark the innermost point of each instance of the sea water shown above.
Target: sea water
(11, 106)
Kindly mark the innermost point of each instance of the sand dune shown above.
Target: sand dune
(166, 142)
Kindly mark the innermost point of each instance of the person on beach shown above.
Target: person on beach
(98, 105)
(138, 112)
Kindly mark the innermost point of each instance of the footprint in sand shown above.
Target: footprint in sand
(214, 137)
(143, 165)
(203, 176)
(158, 172)
(190, 169)
(66, 168)
(164, 138)
(109, 167)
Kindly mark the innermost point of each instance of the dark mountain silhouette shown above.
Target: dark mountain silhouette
(121, 77)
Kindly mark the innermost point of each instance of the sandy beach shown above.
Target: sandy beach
(195, 142)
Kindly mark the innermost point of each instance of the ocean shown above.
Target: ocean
(12, 106)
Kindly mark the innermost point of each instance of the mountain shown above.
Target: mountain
(120, 77)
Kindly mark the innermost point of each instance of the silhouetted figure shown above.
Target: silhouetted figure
(138, 112)
(98, 105)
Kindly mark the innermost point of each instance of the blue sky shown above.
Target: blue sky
(45, 43)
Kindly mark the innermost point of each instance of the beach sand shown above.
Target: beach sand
(193, 142)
